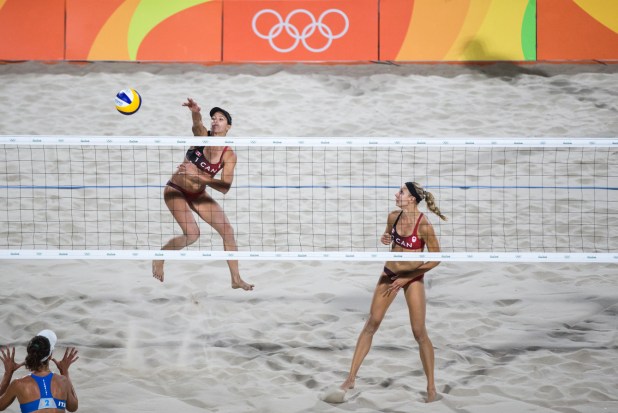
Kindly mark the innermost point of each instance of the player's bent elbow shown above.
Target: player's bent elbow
(199, 130)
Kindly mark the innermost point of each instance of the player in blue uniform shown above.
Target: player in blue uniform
(41, 391)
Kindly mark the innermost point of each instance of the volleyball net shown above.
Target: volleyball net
(308, 198)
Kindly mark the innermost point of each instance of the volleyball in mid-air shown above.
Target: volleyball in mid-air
(128, 101)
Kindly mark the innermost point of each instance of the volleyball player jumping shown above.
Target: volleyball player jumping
(185, 192)
(403, 274)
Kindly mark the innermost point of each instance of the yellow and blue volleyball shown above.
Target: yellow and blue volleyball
(128, 101)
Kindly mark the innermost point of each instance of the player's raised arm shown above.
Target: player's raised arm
(198, 127)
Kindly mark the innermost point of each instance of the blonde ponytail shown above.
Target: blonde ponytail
(430, 200)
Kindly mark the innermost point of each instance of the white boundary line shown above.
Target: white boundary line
(310, 142)
(309, 256)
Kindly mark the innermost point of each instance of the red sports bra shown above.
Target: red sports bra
(411, 242)
(196, 156)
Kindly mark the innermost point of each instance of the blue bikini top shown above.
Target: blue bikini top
(46, 400)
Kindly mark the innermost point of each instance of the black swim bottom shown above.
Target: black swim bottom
(189, 196)
(388, 277)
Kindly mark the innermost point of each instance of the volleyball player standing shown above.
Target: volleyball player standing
(403, 274)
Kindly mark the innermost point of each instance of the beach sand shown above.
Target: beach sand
(508, 337)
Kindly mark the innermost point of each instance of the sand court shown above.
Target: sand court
(534, 337)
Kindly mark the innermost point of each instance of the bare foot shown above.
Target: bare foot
(347, 384)
(239, 283)
(157, 269)
(431, 395)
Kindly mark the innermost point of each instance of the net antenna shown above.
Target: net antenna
(507, 200)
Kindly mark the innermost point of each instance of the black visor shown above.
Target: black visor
(225, 113)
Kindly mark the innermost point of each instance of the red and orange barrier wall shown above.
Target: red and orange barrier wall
(308, 30)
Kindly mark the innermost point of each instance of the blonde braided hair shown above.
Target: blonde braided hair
(428, 197)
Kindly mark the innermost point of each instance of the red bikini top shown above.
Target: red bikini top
(411, 242)
(196, 156)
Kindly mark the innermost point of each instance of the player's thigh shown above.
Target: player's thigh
(180, 209)
(417, 305)
(210, 211)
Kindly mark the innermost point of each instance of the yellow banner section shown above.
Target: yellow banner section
(464, 30)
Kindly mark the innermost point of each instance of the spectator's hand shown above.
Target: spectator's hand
(192, 105)
(8, 359)
(386, 238)
(70, 357)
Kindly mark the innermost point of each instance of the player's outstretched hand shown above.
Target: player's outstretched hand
(192, 105)
(7, 356)
(70, 357)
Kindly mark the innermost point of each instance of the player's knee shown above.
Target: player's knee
(420, 334)
(193, 236)
(372, 325)
(227, 232)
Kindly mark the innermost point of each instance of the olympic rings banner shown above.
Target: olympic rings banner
(308, 30)
(327, 30)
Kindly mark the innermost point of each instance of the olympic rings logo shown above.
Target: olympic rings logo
(296, 34)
